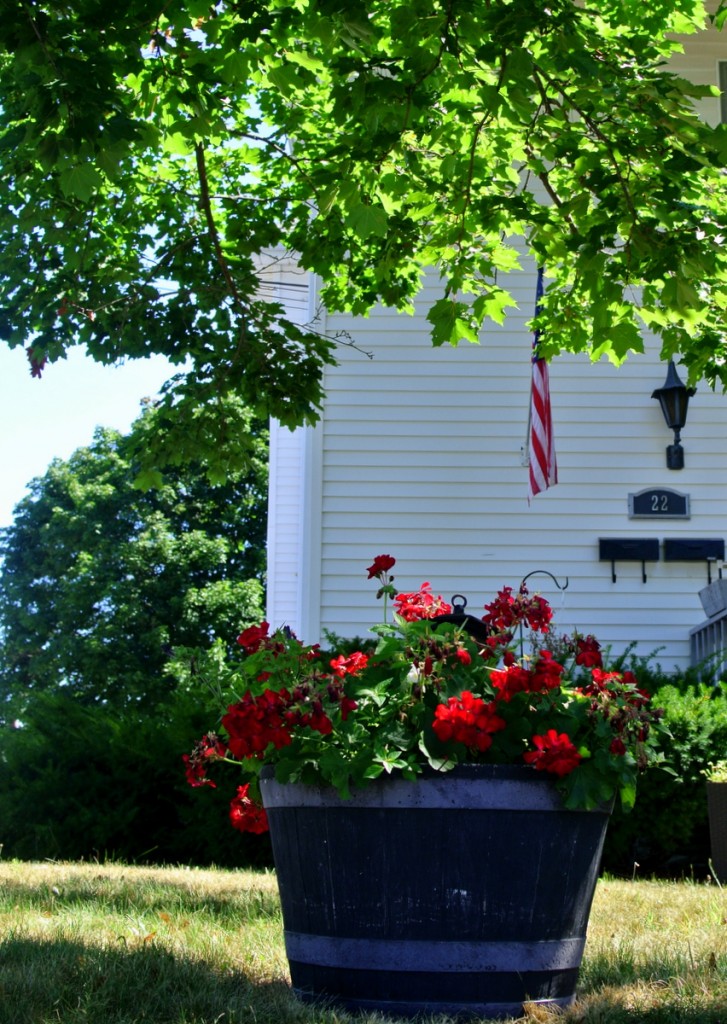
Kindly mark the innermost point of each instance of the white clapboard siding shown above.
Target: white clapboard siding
(420, 455)
(292, 469)
(698, 64)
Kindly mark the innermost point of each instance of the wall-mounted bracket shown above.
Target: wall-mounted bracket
(695, 549)
(628, 549)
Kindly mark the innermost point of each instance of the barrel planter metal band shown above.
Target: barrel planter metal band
(414, 955)
(466, 892)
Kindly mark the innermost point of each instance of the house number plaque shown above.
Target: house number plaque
(659, 503)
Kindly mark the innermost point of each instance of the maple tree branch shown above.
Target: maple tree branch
(212, 227)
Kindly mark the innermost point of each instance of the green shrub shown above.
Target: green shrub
(668, 831)
(83, 782)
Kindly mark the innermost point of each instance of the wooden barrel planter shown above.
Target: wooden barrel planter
(465, 892)
(717, 809)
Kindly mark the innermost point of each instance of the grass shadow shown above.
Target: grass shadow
(69, 982)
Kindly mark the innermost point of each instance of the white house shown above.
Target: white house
(421, 454)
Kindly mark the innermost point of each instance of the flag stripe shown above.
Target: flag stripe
(542, 460)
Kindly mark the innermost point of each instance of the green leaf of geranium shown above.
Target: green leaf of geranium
(627, 794)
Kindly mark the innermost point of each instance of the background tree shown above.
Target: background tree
(155, 160)
(100, 581)
(100, 585)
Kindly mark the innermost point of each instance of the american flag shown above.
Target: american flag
(541, 443)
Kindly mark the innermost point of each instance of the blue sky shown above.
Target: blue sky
(41, 419)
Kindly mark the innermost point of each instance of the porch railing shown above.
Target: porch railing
(708, 642)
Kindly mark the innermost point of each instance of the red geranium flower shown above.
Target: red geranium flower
(209, 748)
(315, 719)
(508, 611)
(467, 719)
(511, 680)
(588, 652)
(500, 615)
(349, 666)
(252, 638)
(599, 684)
(546, 673)
(421, 604)
(554, 753)
(347, 706)
(537, 612)
(245, 814)
(255, 722)
(196, 772)
(381, 564)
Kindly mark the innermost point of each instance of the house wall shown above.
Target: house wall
(699, 63)
(294, 478)
(421, 455)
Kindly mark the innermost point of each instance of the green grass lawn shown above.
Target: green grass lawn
(110, 944)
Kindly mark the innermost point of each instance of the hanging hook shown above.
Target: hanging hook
(535, 572)
(544, 572)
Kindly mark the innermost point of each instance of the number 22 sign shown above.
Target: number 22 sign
(659, 503)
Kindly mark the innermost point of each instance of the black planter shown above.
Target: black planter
(466, 892)
(717, 808)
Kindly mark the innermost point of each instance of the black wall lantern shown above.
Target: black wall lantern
(674, 399)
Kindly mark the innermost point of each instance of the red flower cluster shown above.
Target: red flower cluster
(600, 680)
(546, 673)
(381, 565)
(467, 719)
(421, 604)
(508, 713)
(508, 611)
(554, 753)
(316, 719)
(510, 680)
(537, 613)
(349, 666)
(255, 722)
(252, 638)
(626, 708)
(588, 652)
(245, 814)
(209, 748)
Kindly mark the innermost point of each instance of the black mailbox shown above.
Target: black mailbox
(688, 549)
(695, 549)
(628, 549)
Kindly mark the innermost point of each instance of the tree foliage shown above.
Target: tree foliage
(100, 581)
(156, 159)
